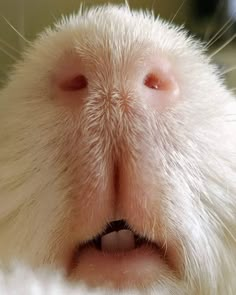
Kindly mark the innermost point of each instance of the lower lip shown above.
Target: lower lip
(137, 268)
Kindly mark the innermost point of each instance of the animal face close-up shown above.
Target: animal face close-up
(118, 158)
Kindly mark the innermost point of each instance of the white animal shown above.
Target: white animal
(117, 162)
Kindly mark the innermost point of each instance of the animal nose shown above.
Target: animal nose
(154, 81)
(160, 86)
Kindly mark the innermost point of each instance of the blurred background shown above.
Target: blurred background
(213, 21)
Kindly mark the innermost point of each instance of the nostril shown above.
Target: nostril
(152, 81)
(160, 88)
(76, 83)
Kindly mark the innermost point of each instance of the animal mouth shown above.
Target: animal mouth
(118, 237)
(120, 257)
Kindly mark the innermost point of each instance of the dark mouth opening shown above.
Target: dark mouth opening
(117, 225)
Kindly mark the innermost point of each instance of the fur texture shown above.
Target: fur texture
(177, 167)
(24, 281)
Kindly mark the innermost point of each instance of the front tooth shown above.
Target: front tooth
(122, 240)
(126, 240)
(109, 242)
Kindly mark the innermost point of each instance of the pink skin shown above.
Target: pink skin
(139, 267)
(156, 84)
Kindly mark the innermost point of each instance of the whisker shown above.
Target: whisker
(218, 11)
(127, 3)
(154, 3)
(220, 33)
(222, 28)
(8, 54)
(15, 30)
(231, 69)
(177, 12)
(9, 46)
(223, 46)
(21, 22)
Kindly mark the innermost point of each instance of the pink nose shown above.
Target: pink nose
(156, 83)
(160, 88)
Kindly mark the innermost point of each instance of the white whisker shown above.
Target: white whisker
(220, 33)
(9, 46)
(231, 69)
(154, 2)
(127, 4)
(177, 12)
(223, 46)
(15, 30)
(8, 54)
(212, 22)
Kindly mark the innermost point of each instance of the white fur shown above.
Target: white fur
(23, 281)
(20, 280)
(190, 159)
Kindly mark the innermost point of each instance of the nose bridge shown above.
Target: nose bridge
(126, 124)
(122, 111)
(126, 115)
